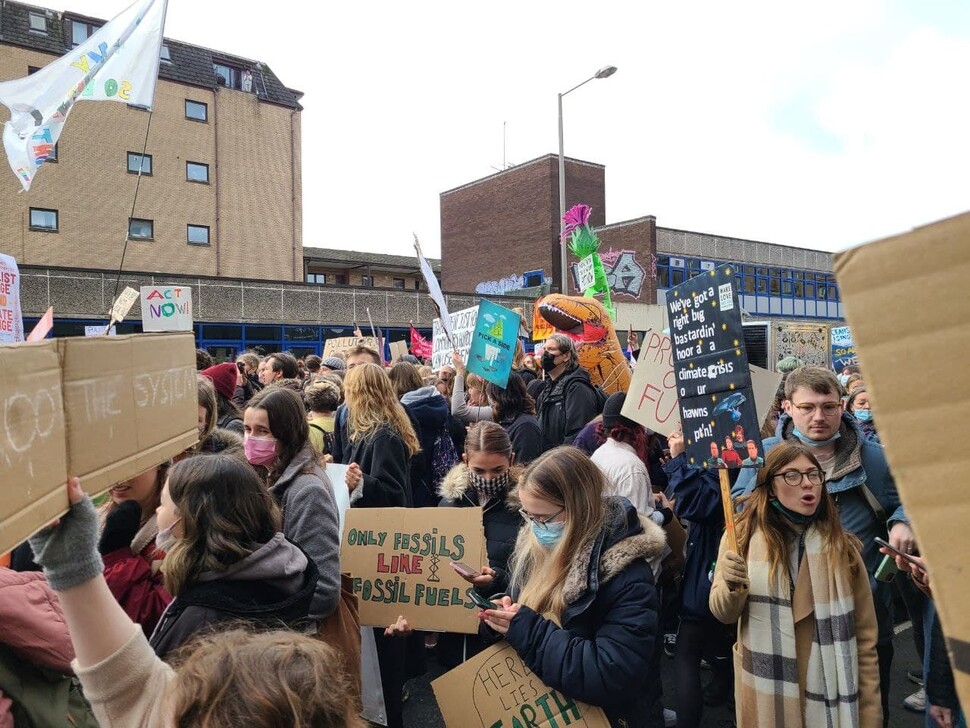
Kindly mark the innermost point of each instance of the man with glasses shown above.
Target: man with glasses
(858, 478)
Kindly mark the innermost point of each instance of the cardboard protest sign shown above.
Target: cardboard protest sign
(398, 349)
(126, 299)
(338, 481)
(399, 560)
(462, 328)
(103, 408)
(166, 308)
(100, 331)
(914, 356)
(843, 348)
(711, 371)
(495, 689)
(808, 342)
(585, 274)
(340, 344)
(11, 318)
(493, 343)
(541, 329)
(652, 397)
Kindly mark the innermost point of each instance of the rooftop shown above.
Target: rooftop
(359, 259)
(188, 64)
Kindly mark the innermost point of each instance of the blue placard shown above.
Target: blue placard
(493, 343)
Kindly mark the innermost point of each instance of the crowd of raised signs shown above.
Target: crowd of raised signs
(207, 591)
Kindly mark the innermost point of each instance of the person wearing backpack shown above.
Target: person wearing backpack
(569, 399)
(322, 398)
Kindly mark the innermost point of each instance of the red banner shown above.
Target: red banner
(420, 346)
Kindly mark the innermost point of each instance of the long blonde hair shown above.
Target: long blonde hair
(567, 477)
(372, 403)
(758, 515)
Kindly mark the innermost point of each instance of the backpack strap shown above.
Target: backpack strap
(874, 504)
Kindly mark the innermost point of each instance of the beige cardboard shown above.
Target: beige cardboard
(432, 597)
(809, 342)
(652, 397)
(337, 346)
(130, 402)
(495, 689)
(33, 463)
(101, 408)
(398, 349)
(911, 325)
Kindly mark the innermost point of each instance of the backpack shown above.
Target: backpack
(443, 455)
(601, 395)
(328, 439)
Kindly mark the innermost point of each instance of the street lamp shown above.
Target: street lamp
(604, 72)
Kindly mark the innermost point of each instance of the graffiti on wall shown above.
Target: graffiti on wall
(501, 286)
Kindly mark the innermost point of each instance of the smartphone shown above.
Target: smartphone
(896, 551)
(887, 569)
(479, 600)
(464, 569)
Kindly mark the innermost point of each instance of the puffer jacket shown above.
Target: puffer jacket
(428, 412)
(601, 653)
(501, 521)
(36, 683)
(565, 406)
(858, 462)
(271, 588)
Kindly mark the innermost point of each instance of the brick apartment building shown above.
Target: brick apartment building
(220, 191)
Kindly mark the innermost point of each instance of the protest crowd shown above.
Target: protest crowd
(207, 591)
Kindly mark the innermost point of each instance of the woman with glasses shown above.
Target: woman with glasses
(582, 612)
(806, 649)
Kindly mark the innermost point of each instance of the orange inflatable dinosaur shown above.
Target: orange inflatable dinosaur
(590, 326)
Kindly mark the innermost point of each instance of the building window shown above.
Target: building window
(197, 172)
(38, 23)
(141, 229)
(165, 56)
(41, 219)
(196, 110)
(226, 75)
(399, 283)
(316, 277)
(142, 162)
(198, 234)
(366, 281)
(341, 279)
(417, 284)
(80, 31)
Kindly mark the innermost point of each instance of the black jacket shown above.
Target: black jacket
(601, 654)
(565, 406)
(386, 464)
(428, 412)
(271, 588)
(526, 437)
(501, 521)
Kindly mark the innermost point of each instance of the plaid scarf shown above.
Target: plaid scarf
(770, 690)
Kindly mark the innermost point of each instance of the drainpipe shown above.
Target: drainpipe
(293, 185)
(215, 124)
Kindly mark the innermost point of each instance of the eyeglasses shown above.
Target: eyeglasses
(828, 408)
(795, 477)
(540, 521)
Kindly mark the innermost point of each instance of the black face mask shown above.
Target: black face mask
(548, 361)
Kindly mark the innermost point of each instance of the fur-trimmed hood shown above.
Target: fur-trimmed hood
(629, 537)
(454, 486)
(225, 442)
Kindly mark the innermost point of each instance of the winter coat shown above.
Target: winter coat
(386, 464)
(588, 440)
(501, 521)
(729, 606)
(271, 587)
(428, 412)
(601, 654)
(232, 422)
(526, 437)
(310, 520)
(527, 375)
(36, 686)
(225, 442)
(565, 406)
(697, 496)
(858, 462)
(135, 580)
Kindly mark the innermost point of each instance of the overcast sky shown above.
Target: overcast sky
(819, 125)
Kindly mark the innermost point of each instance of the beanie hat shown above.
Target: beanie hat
(333, 362)
(612, 409)
(223, 376)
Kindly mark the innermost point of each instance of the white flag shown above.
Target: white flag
(434, 291)
(119, 62)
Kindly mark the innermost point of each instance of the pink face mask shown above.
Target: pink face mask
(259, 451)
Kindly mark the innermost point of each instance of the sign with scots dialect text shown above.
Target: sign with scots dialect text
(717, 409)
(166, 308)
(101, 408)
(493, 343)
(496, 689)
(11, 320)
(585, 273)
(399, 559)
(462, 328)
(843, 348)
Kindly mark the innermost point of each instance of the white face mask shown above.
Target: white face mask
(165, 539)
